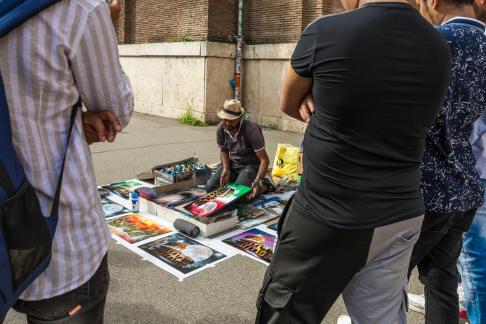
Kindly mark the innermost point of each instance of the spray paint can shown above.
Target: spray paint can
(135, 199)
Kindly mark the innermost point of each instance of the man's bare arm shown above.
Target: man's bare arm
(294, 90)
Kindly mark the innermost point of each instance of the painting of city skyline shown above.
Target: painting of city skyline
(182, 253)
(254, 242)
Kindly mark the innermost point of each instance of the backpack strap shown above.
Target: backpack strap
(15, 12)
(57, 196)
(5, 182)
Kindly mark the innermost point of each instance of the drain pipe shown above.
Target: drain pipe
(239, 51)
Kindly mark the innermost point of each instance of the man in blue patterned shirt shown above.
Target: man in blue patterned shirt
(472, 262)
(450, 184)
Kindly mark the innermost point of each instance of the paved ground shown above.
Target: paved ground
(142, 293)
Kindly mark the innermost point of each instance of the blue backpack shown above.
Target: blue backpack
(25, 234)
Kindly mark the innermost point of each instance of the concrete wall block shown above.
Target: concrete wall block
(251, 87)
(269, 51)
(166, 85)
(149, 77)
(255, 118)
(162, 49)
(270, 122)
(270, 78)
(142, 107)
(212, 119)
(157, 110)
(219, 72)
(184, 83)
(146, 76)
(291, 125)
(129, 66)
(222, 50)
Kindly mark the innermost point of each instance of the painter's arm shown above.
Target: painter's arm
(225, 161)
(264, 163)
(223, 155)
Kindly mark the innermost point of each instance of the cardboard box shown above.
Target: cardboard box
(149, 174)
(209, 227)
(164, 179)
(300, 163)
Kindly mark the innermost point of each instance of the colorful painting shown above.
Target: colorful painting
(217, 200)
(174, 198)
(249, 212)
(272, 206)
(274, 226)
(182, 253)
(122, 189)
(255, 243)
(111, 208)
(134, 228)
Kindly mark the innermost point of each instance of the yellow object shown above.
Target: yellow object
(286, 160)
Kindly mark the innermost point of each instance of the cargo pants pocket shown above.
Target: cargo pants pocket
(273, 301)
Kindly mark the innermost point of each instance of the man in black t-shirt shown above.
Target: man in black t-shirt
(378, 75)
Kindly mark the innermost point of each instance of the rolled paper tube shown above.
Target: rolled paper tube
(186, 227)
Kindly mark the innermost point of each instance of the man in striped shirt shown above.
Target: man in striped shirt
(67, 52)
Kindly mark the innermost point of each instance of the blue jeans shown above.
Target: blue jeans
(472, 266)
(242, 175)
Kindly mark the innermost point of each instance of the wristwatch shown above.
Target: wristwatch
(260, 182)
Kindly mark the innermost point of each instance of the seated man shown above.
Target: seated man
(244, 159)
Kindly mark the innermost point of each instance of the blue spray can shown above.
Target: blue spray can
(135, 199)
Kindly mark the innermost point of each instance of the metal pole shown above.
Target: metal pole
(239, 51)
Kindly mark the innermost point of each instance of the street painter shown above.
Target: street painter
(244, 159)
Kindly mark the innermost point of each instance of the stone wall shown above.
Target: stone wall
(265, 21)
(263, 70)
(154, 21)
(169, 78)
(222, 21)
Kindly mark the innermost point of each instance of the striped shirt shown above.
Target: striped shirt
(66, 51)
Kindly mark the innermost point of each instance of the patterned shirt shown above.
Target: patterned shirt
(478, 141)
(66, 51)
(449, 178)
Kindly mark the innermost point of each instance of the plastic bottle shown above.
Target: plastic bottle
(135, 199)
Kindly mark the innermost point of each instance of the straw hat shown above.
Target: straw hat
(231, 110)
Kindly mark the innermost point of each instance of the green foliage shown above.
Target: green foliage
(183, 39)
(186, 38)
(272, 126)
(249, 40)
(188, 118)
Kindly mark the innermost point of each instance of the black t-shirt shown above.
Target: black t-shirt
(380, 75)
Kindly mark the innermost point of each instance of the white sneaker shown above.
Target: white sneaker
(416, 303)
(462, 302)
(344, 319)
